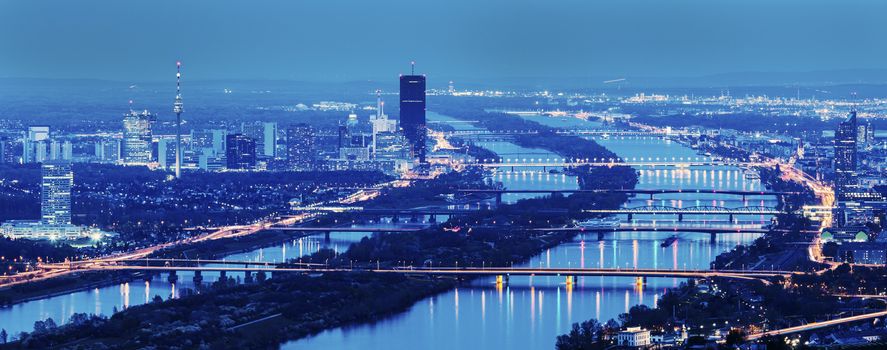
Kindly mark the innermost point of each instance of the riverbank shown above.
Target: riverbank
(322, 308)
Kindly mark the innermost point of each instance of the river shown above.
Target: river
(528, 313)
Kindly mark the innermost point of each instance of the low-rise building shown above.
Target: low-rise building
(634, 337)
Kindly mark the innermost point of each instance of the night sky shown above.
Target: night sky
(346, 40)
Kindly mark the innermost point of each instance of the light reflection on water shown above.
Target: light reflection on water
(529, 312)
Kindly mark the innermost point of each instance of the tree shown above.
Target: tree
(3, 335)
(735, 337)
(39, 326)
(50, 324)
(157, 299)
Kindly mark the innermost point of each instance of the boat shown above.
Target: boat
(608, 222)
(668, 241)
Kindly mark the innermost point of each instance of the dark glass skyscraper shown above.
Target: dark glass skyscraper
(845, 156)
(240, 151)
(412, 113)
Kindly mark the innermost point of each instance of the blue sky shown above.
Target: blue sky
(342, 40)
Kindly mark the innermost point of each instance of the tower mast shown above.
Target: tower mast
(178, 108)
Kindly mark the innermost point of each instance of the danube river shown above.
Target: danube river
(527, 313)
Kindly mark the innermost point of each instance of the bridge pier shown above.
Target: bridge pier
(713, 238)
(326, 236)
(502, 279)
(432, 219)
(173, 277)
(680, 217)
(600, 235)
(414, 218)
(198, 278)
(395, 219)
(248, 277)
(731, 218)
(630, 216)
(498, 198)
(261, 277)
(223, 276)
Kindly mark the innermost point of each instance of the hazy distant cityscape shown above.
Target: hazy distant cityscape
(422, 176)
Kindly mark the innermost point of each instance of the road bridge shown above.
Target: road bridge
(694, 210)
(499, 272)
(645, 191)
(602, 231)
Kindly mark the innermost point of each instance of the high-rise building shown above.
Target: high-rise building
(55, 193)
(219, 140)
(4, 149)
(845, 156)
(270, 139)
(300, 146)
(256, 131)
(137, 137)
(412, 113)
(240, 152)
(166, 153)
(38, 133)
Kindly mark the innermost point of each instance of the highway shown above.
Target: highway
(817, 325)
(436, 271)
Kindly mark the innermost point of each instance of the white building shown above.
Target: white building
(633, 336)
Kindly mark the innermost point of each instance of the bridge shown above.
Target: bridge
(695, 210)
(531, 163)
(171, 266)
(480, 134)
(603, 230)
(412, 212)
(650, 192)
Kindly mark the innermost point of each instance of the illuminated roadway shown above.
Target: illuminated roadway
(817, 325)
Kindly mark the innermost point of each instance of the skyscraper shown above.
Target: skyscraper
(300, 146)
(137, 137)
(845, 156)
(412, 113)
(240, 152)
(55, 193)
(270, 139)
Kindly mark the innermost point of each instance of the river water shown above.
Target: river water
(528, 313)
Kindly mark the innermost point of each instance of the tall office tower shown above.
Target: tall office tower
(219, 140)
(41, 154)
(178, 107)
(36, 134)
(845, 156)
(300, 146)
(412, 113)
(4, 149)
(55, 193)
(67, 150)
(137, 137)
(256, 131)
(270, 139)
(165, 153)
(240, 152)
(344, 137)
(55, 150)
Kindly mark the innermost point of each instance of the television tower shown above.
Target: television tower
(178, 108)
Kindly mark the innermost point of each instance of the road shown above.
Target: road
(817, 325)
(220, 233)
